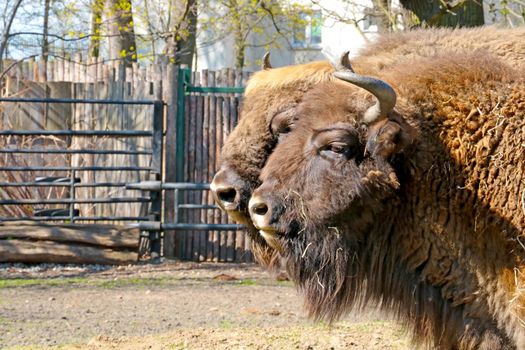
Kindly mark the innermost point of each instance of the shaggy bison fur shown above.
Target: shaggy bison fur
(422, 212)
(273, 95)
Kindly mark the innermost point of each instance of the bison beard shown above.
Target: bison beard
(334, 277)
(438, 242)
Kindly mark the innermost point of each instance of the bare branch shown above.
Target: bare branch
(3, 40)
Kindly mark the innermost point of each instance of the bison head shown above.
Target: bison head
(327, 183)
(268, 112)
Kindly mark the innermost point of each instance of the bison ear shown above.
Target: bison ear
(389, 137)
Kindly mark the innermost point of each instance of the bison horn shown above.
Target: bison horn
(385, 94)
(344, 63)
(266, 61)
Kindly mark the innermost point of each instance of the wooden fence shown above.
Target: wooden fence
(209, 117)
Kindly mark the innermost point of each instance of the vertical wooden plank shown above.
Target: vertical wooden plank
(185, 195)
(192, 155)
(239, 235)
(205, 74)
(90, 93)
(172, 241)
(188, 195)
(226, 128)
(199, 174)
(211, 162)
(218, 141)
(217, 137)
(51, 71)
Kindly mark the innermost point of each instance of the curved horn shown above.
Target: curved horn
(385, 94)
(266, 61)
(343, 63)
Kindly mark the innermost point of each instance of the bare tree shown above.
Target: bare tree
(273, 21)
(446, 13)
(6, 31)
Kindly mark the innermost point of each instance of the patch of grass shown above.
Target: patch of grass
(133, 281)
(285, 283)
(23, 282)
(40, 347)
(100, 283)
(225, 324)
(183, 345)
(247, 282)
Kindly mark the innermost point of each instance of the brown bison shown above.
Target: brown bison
(272, 96)
(414, 201)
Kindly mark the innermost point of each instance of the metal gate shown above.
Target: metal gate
(92, 182)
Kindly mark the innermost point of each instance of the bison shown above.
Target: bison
(409, 194)
(272, 96)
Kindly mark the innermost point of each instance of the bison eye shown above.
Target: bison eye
(336, 150)
(284, 129)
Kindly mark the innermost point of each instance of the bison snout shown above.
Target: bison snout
(226, 189)
(261, 212)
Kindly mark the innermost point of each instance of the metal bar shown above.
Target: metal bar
(62, 184)
(77, 218)
(73, 200)
(157, 186)
(198, 206)
(69, 168)
(214, 227)
(70, 151)
(88, 101)
(185, 186)
(122, 133)
(217, 90)
(156, 226)
(211, 227)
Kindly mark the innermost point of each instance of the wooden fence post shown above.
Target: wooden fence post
(172, 246)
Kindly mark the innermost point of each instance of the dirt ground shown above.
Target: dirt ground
(171, 306)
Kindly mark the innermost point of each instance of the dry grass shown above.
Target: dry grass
(28, 160)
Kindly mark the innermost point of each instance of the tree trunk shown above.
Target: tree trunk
(382, 13)
(121, 31)
(150, 29)
(240, 37)
(186, 43)
(436, 13)
(97, 9)
(45, 41)
(181, 43)
(5, 35)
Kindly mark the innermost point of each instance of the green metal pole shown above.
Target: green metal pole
(183, 81)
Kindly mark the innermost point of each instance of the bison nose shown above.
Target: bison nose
(226, 193)
(261, 212)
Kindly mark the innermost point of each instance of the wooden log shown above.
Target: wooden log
(113, 236)
(52, 252)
